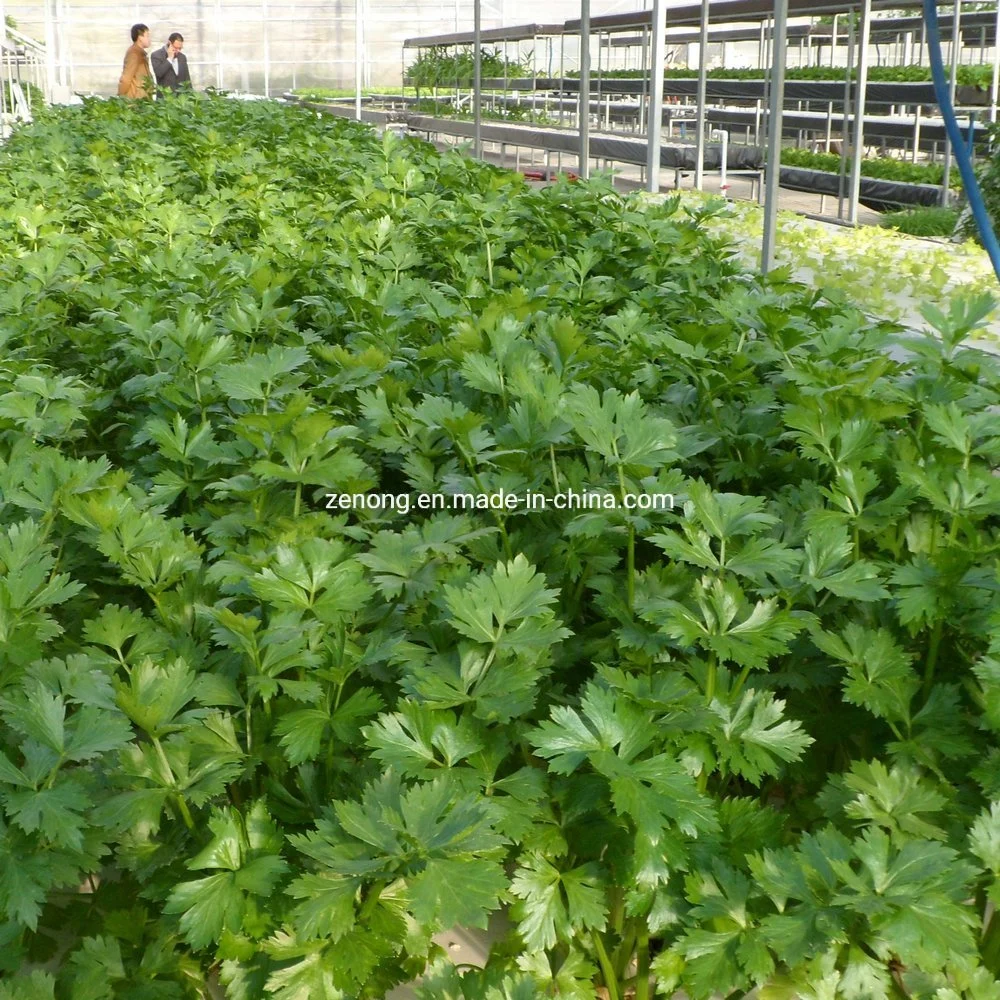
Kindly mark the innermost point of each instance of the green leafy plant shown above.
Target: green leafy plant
(444, 66)
(882, 168)
(259, 742)
(922, 221)
(975, 75)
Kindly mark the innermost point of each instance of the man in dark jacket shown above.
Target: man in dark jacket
(170, 64)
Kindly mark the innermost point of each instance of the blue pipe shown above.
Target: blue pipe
(962, 157)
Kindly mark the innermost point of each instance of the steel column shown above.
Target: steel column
(477, 78)
(655, 122)
(774, 126)
(584, 113)
(358, 58)
(956, 49)
(995, 87)
(858, 151)
(219, 73)
(266, 40)
(699, 163)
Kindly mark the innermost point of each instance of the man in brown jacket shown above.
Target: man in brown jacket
(136, 80)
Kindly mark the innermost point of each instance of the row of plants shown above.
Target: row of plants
(446, 65)
(882, 167)
(923, 221)
(887, 275)
(444, 107)
(32, 92)
(255, 740)
(331, 93)
(968, 75)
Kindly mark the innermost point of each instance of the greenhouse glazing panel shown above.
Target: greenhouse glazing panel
(253, 44)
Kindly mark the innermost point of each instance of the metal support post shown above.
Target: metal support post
(477, 79)
(358, 58)
(655, 123)
(584, 114)
(995, 86)
(600, 79)
(645, 78)
(699, 162)
(858, 148)
(723, 161)
(65, 53)
(562, 80)
(219, 72)
(774, 126)
(842, 178)
(956, 48)
(607, 97)
(50, 49)
(266, 45)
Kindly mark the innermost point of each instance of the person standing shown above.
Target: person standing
(136, 80)
(170, 64)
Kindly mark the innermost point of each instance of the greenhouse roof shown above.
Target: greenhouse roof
(516, 34)
(727, 35)
(725, 11)
(971, 26)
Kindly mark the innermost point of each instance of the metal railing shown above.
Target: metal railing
(23, 77)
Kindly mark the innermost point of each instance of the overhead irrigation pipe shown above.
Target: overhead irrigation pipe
(962, 157)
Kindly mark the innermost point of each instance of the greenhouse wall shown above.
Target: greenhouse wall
(261, 46)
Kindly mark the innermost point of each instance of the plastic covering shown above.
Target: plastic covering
(876, 194)
(672, 155)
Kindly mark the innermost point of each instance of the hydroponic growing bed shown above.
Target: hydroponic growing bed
(385, 544)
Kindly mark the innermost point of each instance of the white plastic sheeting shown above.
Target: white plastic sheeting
(259, 46)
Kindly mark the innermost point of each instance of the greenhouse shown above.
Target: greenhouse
(499, 501)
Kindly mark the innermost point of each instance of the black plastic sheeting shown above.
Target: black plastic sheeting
(676, 156)
(879, 131)
(875, 194)
(824, 91)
